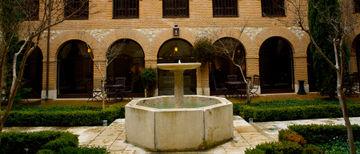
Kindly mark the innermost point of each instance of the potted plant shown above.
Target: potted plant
(148, 78)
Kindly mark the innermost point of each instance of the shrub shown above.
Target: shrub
(204, 50)
(236, 109)
(149, 79)
(15, 142)
(312, 149)
(295, 109)
(64, 116)
(292, 136)
(277, 147)
(320, 134)
(82, 150)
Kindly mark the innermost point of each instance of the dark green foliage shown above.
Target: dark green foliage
(338, 147)
(277, 147)
(15, 142)
(295, 109)
(312, 149)
(45, 151)
(322, 15)
(320, 134)
(328, 138)
(236, 109)
(148, 78)
(204, 50)
(320, 139)
(82, 150)
(64, 116)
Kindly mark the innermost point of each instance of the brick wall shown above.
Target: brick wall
(150, 30)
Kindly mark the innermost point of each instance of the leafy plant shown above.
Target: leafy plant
(204, 50)
(149, 79)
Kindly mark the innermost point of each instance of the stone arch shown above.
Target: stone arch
(355, 56)
(166, 35)
(63, 37)
(144, 42)
(32, 76)
(283, 33)
(128, 54)
(74, 70)
(171, 51)
(221, 67)
(276, 66)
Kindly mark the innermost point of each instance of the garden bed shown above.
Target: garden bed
(25, 115)
(43, 142)
(294, 109)
(310, 139)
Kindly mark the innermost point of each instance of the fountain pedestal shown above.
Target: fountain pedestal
(178, 69)
(178, 87)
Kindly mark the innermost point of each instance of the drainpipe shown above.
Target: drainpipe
(48, 2)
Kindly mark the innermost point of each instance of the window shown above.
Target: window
(273, 8)
(225, 8)
(31, 10)
(357, 6)
(175, 8)
(76, 9)
(125, 9)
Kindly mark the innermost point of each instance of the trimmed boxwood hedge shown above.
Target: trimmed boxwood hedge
(320, 134)
(64, 116)
(307, 139)
(44, 142)
(295, 109)
(15, 142)
(283, 148)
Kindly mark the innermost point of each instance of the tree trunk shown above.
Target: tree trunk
(346, 116)
(340, 67)
(16, 80)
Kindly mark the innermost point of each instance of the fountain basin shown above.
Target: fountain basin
(178, 66)
(158, 128)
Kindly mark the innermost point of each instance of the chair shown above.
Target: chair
(255, 85)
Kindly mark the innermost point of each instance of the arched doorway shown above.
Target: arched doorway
(170, 52)
(74, 70)
(356, 48)
(126, 59)
(310, 68)
(221, 67)
(276, 66)
(32, 77)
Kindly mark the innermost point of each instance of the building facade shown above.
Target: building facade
(142, 33)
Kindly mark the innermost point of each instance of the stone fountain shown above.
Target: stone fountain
(178, 123)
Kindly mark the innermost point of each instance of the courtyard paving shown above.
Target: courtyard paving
(245, 135)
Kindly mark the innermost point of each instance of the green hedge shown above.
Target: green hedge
(283, 148)
(320, 134)
(64, 116)
(295, 109)
(312, 139)
(74, 150)
(15, 142)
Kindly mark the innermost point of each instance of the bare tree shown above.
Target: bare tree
(343, 26)
(231, 49)
(51, 13)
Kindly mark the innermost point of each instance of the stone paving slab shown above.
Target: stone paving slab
(246, 135)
